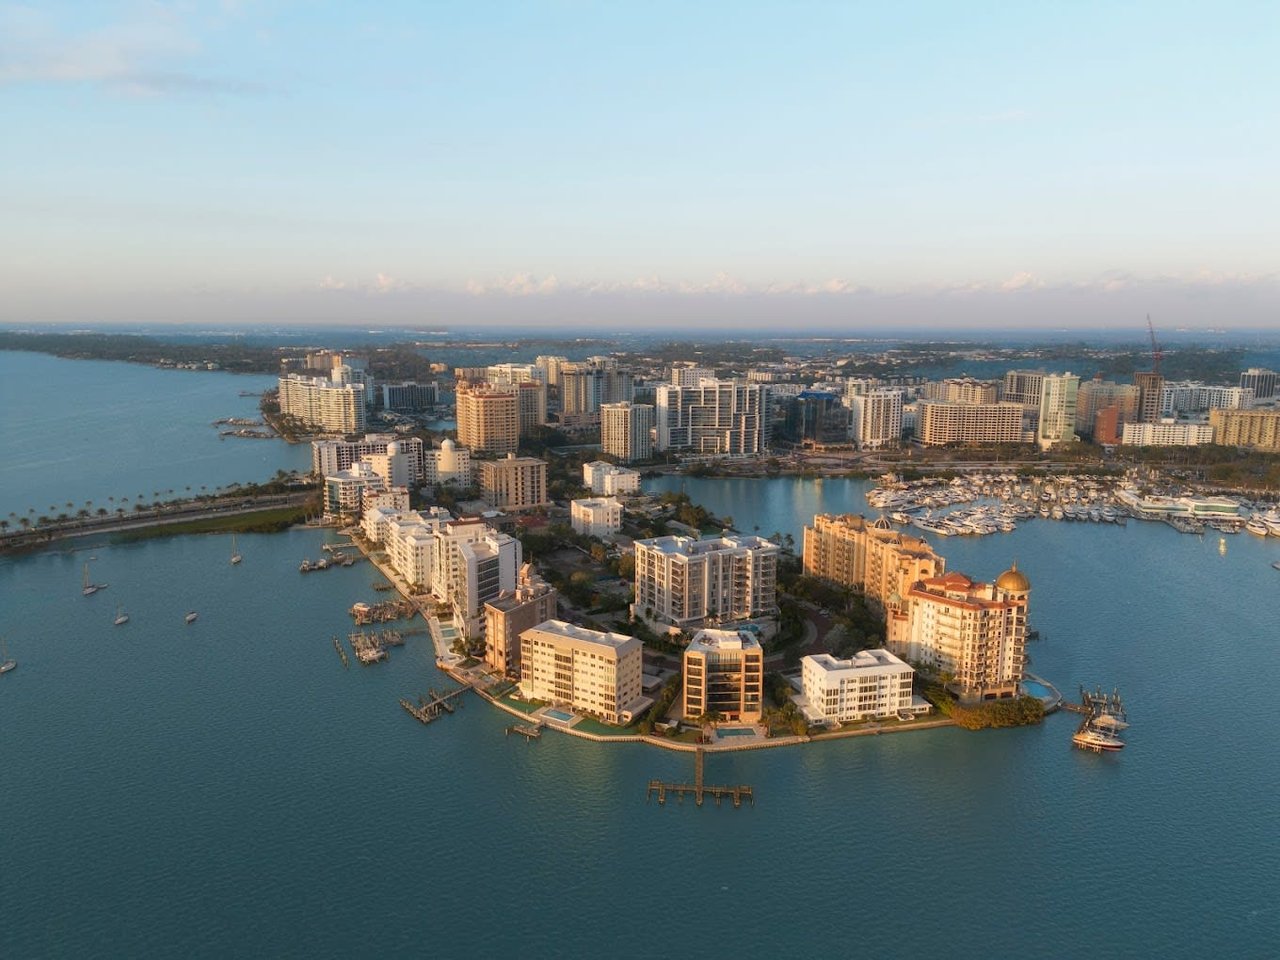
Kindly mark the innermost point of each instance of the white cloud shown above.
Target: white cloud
(143, 56)
(330, 283)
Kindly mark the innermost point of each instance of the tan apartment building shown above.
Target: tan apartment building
(509, 614)
(1259, 429)
(724, 675)
(940, 423)
(873, 559)
(488, 418)
(514, 483)
(586, 670)
(974, 632)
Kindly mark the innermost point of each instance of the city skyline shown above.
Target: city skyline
(753, 167)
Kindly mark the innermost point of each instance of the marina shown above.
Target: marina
(982, 504)
(1104, 718)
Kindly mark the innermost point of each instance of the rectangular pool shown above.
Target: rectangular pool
(558, 715)
(736, 733)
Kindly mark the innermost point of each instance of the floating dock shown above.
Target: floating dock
(530, 732)
(699, 790)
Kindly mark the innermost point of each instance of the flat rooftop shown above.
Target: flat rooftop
(862, 660)
(572, 631)
(711, 641)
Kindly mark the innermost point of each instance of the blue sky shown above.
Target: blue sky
(825, 164)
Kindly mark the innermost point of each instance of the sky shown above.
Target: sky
(750, 166)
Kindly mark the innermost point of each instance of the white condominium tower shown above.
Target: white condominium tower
(685, 582)
(721, 418)
(323, 404)
(1057, 410)
(877, 418)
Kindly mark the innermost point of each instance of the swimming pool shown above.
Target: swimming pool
(1037, 690)
(737, 732)
(558, 715)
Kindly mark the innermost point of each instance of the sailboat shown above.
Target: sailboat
(89, 588)
(121, 617)
(235, 554)
(5, 663)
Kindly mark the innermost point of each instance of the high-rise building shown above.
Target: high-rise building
(871, 683)
(876, 418)
(470, 565)
(961, 390)
(716, 418)
(626, 430)
(410, 397)
(488, 418)
(451, 464)
(1258, 429)
(532, 396)
(873, 559)
(1262, 382)
(942, 423)
(585, 670)
(550, 367)
(976, 633)
(1024, 387)
(1193, 396)
(690, 375)
(330, 456)
(514, 483)
(724, 676)
(1097, 395)
(509, 614)
(323, 404)
(1149, 389)
(686, 582)
(1057, 419)
(814, 418)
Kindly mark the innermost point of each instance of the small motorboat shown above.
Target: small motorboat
(191, 616)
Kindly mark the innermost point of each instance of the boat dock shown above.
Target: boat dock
(430, 707)
(372, 647)
(381, 612)
(699, 790)
(337, 645)
(530, 732)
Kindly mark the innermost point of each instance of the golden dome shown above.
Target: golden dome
(1013, 580)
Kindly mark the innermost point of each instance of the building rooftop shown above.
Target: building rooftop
(572, 631)
(862, 660)
(711, 641)
(690, 546)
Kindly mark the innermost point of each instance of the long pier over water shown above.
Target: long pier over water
(698, 789)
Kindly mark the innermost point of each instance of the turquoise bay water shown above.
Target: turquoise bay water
(78, 430)
(228, 788)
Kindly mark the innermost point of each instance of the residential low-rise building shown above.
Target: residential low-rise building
(724, 676)
(608, 480)
(871, 683)
(585, 670)
(598, 517)
(344, 491)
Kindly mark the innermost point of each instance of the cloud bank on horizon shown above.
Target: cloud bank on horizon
(753, 165)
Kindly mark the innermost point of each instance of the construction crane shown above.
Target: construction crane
(1156, 353)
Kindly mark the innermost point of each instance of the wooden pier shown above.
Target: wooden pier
(337, 645)
(528, 731)
(699, 790)
(430, 708)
